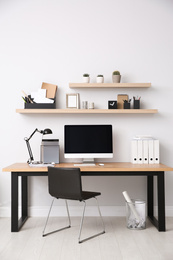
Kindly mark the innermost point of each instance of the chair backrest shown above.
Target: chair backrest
(65, 183)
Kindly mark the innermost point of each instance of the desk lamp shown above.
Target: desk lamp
(44, 132)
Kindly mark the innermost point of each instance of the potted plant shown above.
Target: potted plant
(86, 78)
(116, 77)
(100, 79)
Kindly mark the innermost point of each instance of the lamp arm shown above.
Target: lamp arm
(29, 150)
(36, 130)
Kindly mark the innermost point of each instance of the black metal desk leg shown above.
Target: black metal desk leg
(161, 201)
(24, 196)
(24, 202)
(14, 202)
(150, 196)
(17, 223)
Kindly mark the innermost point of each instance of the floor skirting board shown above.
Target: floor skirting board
(75, 211)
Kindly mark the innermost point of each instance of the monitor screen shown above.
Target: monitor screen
(88, 141)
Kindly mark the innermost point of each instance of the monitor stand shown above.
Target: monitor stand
(86, 162)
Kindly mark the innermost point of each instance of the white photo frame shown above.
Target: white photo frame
(72, 100)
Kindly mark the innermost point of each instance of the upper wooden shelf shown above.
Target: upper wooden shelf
(109, 85)
(87, 111)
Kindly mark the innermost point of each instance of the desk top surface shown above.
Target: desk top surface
(112, 166)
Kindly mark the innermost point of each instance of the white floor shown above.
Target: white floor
(117, 243)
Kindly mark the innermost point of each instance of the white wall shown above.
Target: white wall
(56, 41)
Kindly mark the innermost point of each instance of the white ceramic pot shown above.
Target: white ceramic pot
(86, 79)
(100, 79)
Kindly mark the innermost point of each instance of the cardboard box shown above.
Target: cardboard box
(120, 100)
(50, 89)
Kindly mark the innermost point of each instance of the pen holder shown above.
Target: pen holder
(126, 105)
(136, 103)
(40, 105)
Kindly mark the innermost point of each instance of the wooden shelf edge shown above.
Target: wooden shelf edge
(87, 111)
(109, 85)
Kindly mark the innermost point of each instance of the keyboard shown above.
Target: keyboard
(41, 164)
(84, 164)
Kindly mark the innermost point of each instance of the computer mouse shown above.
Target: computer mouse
(101, 164)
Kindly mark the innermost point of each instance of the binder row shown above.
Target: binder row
(145, 151)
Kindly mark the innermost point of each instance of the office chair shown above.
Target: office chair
(65, 183)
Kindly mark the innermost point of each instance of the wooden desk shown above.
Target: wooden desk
(109, 169)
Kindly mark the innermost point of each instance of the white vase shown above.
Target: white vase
(86, 79)
(100, 79)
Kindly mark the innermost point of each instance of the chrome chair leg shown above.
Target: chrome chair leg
(81, 224)
(69, 221)
(100, 215)
(45, 234)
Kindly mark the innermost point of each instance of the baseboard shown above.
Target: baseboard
(116, 211)
(77, 211)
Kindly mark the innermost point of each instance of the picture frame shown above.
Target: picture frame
(72, 100)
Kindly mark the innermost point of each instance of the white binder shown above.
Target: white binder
(145, 151)
(151, 151)
(134, 151)
(156, 151)
(140, 152)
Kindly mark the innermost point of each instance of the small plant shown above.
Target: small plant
(116, 72)
(99, 75)
(116, 77)
(86, 78)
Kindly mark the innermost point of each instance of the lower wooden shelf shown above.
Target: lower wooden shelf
(87, 111)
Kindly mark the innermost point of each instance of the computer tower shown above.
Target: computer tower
(49, 151)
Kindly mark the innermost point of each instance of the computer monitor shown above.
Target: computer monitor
(88, 142)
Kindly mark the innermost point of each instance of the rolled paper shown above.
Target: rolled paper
(127, 198)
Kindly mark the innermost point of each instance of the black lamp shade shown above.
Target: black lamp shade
(47, 131)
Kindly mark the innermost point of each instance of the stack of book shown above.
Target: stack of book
(145, 149)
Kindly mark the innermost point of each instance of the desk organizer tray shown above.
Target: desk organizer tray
(40, 105)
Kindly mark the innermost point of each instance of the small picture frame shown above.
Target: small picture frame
(72, 100)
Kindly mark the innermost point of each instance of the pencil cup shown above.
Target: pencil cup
(136, 103)
(136, 214)
(126, 105)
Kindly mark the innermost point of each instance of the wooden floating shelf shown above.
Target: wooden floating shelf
(109, 85)
(87, 111)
